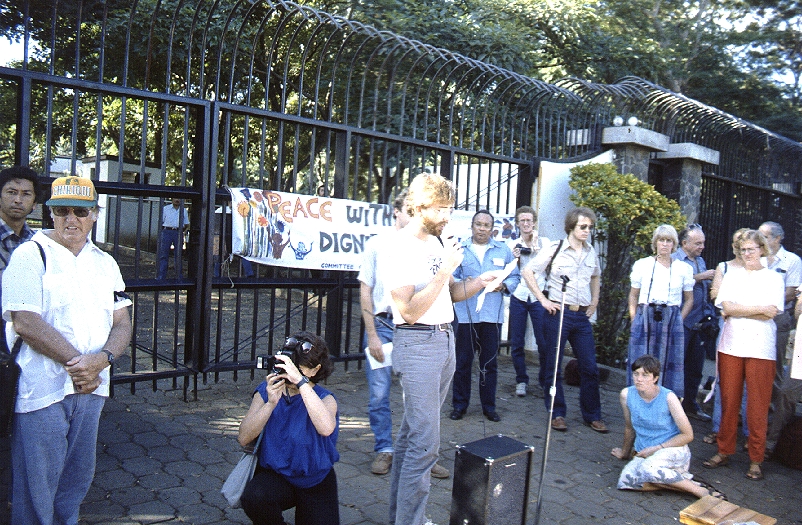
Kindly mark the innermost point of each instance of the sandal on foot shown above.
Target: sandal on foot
(755, 473)
(710, 438)
(719, 460)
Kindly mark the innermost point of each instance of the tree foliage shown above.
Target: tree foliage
(700, 48)
(628, 211)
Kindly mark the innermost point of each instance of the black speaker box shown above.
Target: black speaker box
(491, 482)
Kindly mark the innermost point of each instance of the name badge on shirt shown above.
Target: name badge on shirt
(497, 261)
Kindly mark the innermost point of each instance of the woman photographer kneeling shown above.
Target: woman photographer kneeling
(299, 445)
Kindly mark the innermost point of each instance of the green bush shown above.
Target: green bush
(628, 212)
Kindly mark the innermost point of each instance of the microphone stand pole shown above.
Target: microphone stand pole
(552, 393)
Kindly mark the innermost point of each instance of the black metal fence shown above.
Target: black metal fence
(163, 99)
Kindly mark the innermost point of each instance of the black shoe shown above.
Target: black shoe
(492, 416)
(456, 414)
(698, 414)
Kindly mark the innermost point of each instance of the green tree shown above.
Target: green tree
(628, 211)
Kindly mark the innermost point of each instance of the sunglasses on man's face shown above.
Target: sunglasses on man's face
(63, 211)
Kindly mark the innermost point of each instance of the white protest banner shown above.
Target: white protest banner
(306, 231)
(303, 231)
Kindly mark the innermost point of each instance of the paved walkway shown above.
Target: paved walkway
(163, 460)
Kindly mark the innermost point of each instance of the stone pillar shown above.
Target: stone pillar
(682, 175)
(633, 147)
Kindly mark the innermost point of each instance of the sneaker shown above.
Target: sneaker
(381, 465)
(520, 390)
(440, 472)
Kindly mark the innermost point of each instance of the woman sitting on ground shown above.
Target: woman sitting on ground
(299, 445)
(657, 433)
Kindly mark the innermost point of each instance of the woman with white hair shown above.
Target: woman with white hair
(660, 297)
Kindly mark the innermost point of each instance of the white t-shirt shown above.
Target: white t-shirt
(375, 259)
(648, 273)
(415, 262)
(75, 296)
(742, 337)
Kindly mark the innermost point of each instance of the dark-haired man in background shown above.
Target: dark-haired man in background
(19, 188)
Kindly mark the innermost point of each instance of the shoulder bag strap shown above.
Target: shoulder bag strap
(18, 342)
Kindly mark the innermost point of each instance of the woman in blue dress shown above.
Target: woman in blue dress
(660, 297)
(656, 436)
(300, 424)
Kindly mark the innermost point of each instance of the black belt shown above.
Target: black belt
(386, 315)
(168, 228)
(443, 327)
(577, 308)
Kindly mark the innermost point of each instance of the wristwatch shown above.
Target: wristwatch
(109, 356)
(302, 382)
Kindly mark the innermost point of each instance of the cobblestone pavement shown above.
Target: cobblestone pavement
(163, 460)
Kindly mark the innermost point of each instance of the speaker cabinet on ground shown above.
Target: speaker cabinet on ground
(491, 482)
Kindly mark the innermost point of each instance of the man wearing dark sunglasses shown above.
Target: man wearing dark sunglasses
(67, 302)
(571, 261)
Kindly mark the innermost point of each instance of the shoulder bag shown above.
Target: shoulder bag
(9, 377)
(243, 472)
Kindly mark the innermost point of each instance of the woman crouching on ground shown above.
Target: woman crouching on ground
(657, 433)
(299, 445)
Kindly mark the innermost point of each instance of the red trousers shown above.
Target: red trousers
(758, 374)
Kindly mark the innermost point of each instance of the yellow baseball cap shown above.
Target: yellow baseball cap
(73, 191)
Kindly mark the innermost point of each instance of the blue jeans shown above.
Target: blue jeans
(379, 382)
(53, 460)
(425, 362)
(578, 330)
(168, 238)
(716, 424)
(470, 337)
(517, 333)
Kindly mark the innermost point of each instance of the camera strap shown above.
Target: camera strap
(651, 281)
(548, 268)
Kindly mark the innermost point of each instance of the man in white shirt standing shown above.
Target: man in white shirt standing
(423, 291)
(523, 302)
(377, 313)
(789, 266)
(66, 300)
(175, 221)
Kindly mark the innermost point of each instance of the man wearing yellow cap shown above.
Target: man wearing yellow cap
(65, 299)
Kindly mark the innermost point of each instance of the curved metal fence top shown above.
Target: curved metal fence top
(748, 152)
(278, 56)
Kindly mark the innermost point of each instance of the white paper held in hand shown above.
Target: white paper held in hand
(502, 274)
(387, 348)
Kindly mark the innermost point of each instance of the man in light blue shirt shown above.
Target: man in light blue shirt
(479, 330)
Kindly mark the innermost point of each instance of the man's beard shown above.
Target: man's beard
(433, 228)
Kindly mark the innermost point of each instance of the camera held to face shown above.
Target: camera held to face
(524, 249)
(293, 348)
(269, 362)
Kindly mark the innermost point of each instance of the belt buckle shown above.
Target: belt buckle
(573, 307)
(444, 327)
